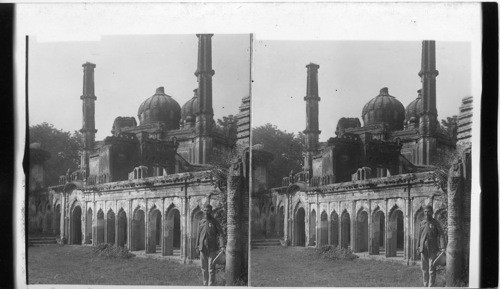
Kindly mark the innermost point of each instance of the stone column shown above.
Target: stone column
(88, 127)
(105, 224)
(386, 228)
(370, 226)
(117, 217)
(354, 217)
(129, 225)
(339, 227)
(204, 117)
(312, 125)
(428, 123)
(94, 225)
(150, 243)
(235, 221)
(318, 223)
(454, 251)
(329, 224)
(84, 222)
(62, 229)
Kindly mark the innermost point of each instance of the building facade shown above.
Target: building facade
(365, 188)
(144, 186)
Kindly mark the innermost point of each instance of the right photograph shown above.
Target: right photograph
(361, 163)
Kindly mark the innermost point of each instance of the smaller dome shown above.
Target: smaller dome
(384, 108)
(414, 109)
(160, 108)
(190, 109)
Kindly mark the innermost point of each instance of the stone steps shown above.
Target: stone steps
(264, 243)
(40, 241)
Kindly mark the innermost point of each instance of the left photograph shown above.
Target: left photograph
(138, 160)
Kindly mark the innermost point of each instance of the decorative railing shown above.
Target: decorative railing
(285, 182)
(79, 175)
(295, 178)
(93, 180)
(63, 180)
(322, 180)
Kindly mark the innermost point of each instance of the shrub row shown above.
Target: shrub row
(110, 251)
(336, 253)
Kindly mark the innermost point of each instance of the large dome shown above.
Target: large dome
(414, 109)
(160, 108)
(384, 108)
(190, 109)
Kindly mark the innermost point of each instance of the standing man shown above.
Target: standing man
(429, 246)
(209, 232)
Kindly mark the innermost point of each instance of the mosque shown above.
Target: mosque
(144, 186)
(365, 188)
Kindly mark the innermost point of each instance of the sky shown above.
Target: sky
(128, 71)
(351, 73)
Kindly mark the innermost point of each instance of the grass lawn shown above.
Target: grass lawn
(296, 266)
(56, 264)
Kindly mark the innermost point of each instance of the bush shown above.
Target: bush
(336, 253)
(110, 251)
(61, 241)
(285, 243)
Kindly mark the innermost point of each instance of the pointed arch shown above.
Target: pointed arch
(122, 231)
(312, 228)
(172, 231)
(196, 217)
(155, 231)
(138, 236)
(110, 227)
(345, 233)
(395, 232)
(362, 230)
(88, 226)
(324, 228)
(76, 224)
(334, 228)
(299, 225)
(378, 231)
(100, 227)
(281, 221)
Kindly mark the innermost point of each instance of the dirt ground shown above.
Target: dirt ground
(54, 264)
(304, 267)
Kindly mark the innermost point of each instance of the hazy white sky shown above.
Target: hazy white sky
(350, 74)
(129, 69)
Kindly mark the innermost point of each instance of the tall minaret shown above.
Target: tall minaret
(204, 118)
(88, 127)
(312, 127)
(428, 120)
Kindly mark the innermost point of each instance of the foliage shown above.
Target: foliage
(220, 172)
(229, 127)
(110, 251)
(442, 162)
(286, 147)
(336, 253)
(450, 125)
(63, 147)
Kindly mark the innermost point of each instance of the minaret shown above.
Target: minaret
(88, 127)
(205, 114)
(312, 127)
(428, 122)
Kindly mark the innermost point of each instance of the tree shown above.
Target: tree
(286, 147)
(229, 127)
(450, 125)
(63, 147)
